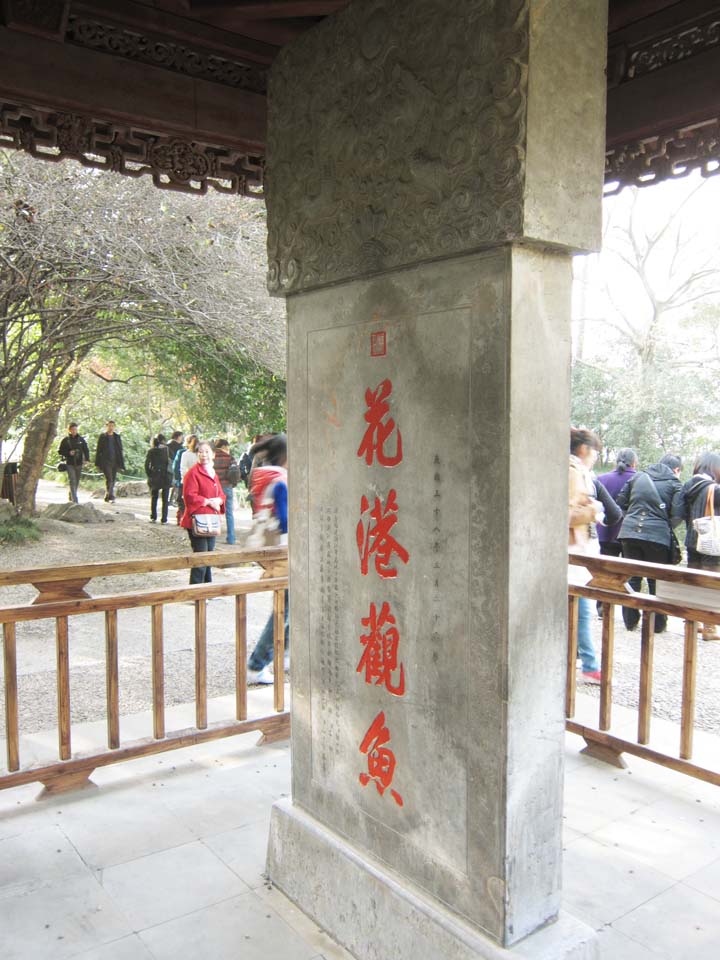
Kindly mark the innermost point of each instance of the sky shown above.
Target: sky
(611, 297)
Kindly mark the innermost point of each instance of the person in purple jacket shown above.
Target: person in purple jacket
(613, 482)
(626, 467)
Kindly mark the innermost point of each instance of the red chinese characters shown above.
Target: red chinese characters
(381, 445)
(380, 658)
(381, 761)
(380, 428)
(374, 538)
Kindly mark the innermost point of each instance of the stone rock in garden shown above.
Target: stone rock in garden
(76, 513)
(132, 488)
(7, 511)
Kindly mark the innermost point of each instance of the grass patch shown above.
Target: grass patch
(19, 530)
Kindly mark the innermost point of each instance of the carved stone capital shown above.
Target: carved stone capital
(399, 131)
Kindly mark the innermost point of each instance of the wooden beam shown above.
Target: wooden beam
(58, 76)
(271, 9)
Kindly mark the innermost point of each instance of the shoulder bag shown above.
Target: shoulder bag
(707, 528)
(206, 524)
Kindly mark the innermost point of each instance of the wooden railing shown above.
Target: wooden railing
(61, 594)
(682, 592)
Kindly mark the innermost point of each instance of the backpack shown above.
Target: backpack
(244, 467)
(234, 474)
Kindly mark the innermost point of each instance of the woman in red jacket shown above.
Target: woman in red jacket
(202, 493)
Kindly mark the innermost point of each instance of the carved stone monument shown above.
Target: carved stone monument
(430, 171)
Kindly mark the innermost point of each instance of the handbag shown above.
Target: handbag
(675, 548)
(707, 527)
(206, 524)
(62, 467)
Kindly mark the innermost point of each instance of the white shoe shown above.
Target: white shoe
(260, 676)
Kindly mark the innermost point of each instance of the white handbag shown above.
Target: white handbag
(707, 528)
(206, 524)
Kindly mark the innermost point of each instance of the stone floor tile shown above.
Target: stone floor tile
(681, 922)
(59, 920)
(129, 948)
(243, 928)
(603, 884)
(207, 808)
(595, 798)
(166, 885)
(302, 924)
(38, 858)
(115, 825)
(244, 850)
(706, 880)
(616, 946)
(673, 846)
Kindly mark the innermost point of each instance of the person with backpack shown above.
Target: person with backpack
(159, 474)
(228, 473)
(270, 507)
(74, 451)
(650, 501)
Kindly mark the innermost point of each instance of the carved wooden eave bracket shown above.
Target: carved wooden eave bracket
(667, 156)
(173, 163)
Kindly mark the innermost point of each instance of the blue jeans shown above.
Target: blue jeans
(264, 652)
(229, 516)
(585, 647)
(200, 545)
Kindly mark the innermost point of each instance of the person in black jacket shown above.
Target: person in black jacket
(157, 468)
(650, 501)
(692, 504)
(109, 458)
(74, 451)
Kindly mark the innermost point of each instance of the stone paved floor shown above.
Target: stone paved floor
(165, 858)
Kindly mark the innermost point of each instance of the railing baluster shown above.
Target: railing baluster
(11, 696)
(111, 679)
(608, 656)
(241, 657)
(158, 672)
(647, 649)
(571, 656)
(63, 687)
(279, 649)
(687, 720)
(200, 664)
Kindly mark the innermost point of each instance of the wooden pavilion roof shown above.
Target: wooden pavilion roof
(125, 80)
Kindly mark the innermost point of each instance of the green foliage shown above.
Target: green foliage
(18, 530)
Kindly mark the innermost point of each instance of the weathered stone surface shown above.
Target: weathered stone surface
(383, 152)
(76, 513)
(479, 606)
(381, 917)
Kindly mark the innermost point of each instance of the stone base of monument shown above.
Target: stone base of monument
(376, 915)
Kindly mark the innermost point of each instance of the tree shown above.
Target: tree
(90, 258)
(642, 299)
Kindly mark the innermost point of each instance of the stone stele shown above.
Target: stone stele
(414, 219)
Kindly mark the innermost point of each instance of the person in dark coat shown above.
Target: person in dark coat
(157, 468)
(650, 501)
(109, 458)
(176, 443)
(74, 451)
